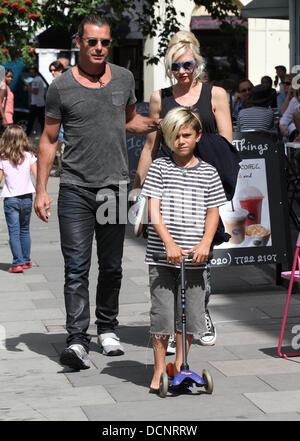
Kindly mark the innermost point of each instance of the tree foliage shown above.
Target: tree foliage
(20, 20)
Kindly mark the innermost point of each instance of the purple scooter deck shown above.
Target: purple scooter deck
(189, 377)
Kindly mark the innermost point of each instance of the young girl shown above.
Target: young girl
(184, 194)
(16, 162)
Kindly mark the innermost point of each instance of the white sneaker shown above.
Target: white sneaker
(110, 344)
(171, 350)
(75, 357)
(210, 336)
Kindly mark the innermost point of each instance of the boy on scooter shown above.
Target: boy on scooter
(184, 194)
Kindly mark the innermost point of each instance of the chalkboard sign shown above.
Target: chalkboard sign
(257, 218)
(135, 143)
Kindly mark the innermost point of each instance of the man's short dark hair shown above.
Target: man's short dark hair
(268, 79)
(243, 81)
(94, 20)
(281, 67)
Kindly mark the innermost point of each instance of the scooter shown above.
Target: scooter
(185, 378)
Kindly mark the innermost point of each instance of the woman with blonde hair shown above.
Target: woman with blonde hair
(183, 67)
(17, 161)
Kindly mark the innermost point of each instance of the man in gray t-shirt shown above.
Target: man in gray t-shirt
(95, 102)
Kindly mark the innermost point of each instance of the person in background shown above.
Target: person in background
(37, 101)
(64, 62)
(280, 74)
(279, 80)
(17, 161)
(284, 98)
(269, 82)
(56, 68)
(241, 97)
(7, 100)
(286, 123)
(259, 115)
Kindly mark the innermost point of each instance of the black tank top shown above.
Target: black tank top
(203, 106)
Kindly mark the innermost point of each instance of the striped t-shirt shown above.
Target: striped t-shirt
(185, 195)
(255, 118)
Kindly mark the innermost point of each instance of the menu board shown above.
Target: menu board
(257, 217)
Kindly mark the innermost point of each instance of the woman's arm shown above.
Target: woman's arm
(221, 110)
(1, 175)
(152, 143)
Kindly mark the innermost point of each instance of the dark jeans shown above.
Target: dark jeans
(77, 209)
(36, 112)
(17, 214)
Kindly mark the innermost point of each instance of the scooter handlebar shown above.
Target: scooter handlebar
(163, 256)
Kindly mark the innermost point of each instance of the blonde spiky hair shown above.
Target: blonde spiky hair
(175, 119)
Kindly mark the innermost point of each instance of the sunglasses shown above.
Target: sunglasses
(246, 90)
(93, 41)
(53, 70)
(186, 65)
(287, 83)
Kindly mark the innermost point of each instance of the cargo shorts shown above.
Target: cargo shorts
(166, 310)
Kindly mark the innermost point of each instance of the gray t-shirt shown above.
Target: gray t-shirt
(94, 127)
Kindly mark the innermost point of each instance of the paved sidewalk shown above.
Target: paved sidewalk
(251, 382)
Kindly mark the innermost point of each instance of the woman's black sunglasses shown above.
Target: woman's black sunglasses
(93, 41)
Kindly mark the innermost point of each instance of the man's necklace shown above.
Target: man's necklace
(95, 76)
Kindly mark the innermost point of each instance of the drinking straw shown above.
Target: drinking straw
(232, 205)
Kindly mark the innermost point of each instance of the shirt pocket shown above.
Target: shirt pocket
(118, 98)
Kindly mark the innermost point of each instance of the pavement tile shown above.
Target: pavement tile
(25, 413)
(62, 414)
(22, 351)
(15, 297)
(18, 284)
(282, 382)
(16, 329)
(237, 313)
(45, 381)
(30, 315)
(175, 408)
(270, 417)
(37, 398)
(276, 402)
(257, 367)
(30, 367)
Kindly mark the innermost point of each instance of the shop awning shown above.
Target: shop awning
(266, 9)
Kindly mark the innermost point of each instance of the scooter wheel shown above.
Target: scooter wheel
(209, 384)
(163, 385)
